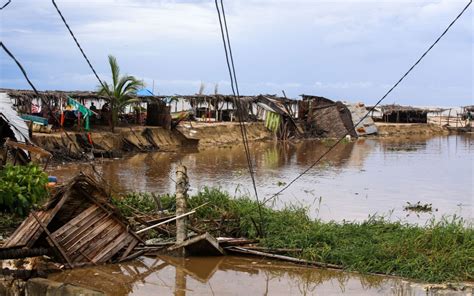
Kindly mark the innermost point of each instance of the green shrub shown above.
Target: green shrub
(21, 187)
(142, 202)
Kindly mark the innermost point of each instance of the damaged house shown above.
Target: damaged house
(77, 226)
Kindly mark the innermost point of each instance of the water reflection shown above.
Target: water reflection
(228, 276)
(355, 180)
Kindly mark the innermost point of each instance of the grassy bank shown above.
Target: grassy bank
(438, 252)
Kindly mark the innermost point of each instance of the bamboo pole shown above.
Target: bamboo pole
(171, 219)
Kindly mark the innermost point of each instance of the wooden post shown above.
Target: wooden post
(181, 201)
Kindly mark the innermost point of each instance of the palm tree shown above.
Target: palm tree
(121, 93)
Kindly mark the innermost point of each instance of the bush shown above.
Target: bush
(21, 187)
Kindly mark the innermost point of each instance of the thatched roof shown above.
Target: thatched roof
(88, 95)
(388, 109)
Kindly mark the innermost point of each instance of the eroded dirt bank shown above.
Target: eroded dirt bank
(409, 129)
(82, 145)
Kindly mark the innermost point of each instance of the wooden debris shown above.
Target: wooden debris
(80, 223)
(171, 219)
(202, 245)
(230, 241)
(53, 242)
(241, 250)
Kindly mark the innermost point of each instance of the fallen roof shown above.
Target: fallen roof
(17, 125)
(364, 125)
(80, 223)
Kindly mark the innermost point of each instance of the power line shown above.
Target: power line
(9, 53)
(237, 100)
(373, 108)
(93, 70)
(5, 5)
(19, 66)
(77, 43)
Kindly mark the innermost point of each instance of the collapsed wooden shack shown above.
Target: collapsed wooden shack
(78, 225)
(324, 118)
(278, 116)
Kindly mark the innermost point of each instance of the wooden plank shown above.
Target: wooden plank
(100, 241)
(87, 228)
(129, 249)
(89, 236)
(111, 249)
(71, 237)
(76, 222)
(109, 211)
(15, 239)
(48, 218)
(89, 240)
(55, 243)
(25, 231)
(128, 240)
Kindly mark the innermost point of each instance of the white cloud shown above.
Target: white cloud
(349, 46)
(343, 85)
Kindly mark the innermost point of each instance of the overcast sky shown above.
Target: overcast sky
(344, 50)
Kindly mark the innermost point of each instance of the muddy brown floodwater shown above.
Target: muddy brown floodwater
(229, 276)
(358, 179)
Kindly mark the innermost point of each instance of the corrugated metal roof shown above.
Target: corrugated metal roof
(17, 124)
(367, 126)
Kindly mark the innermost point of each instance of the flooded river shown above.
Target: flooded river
(358, 179)
(229, 276)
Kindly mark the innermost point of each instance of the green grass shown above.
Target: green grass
(440, 251)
